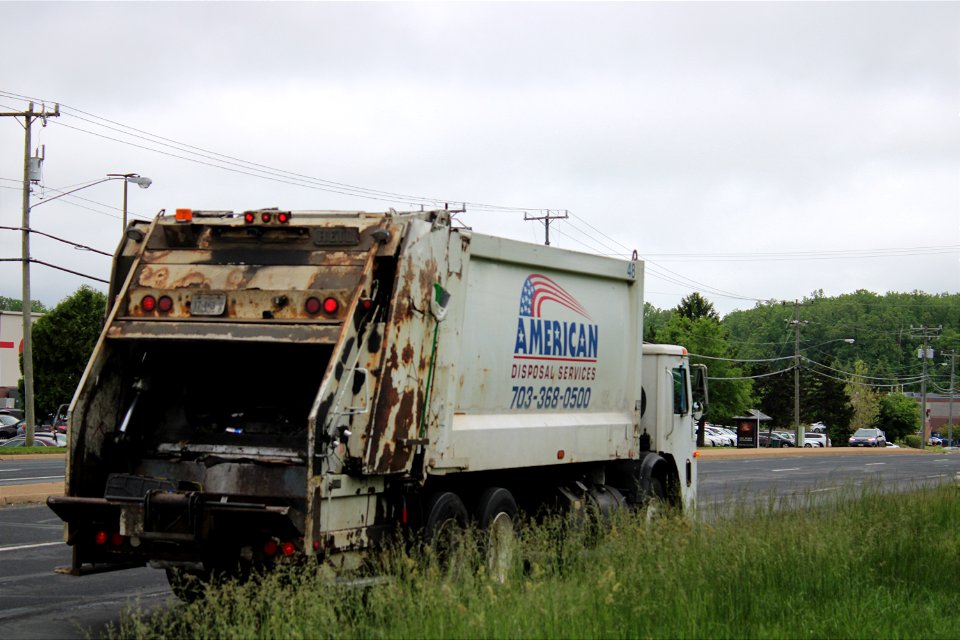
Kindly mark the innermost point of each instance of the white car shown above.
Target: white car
(815, 440)
(713, 438)
(730, 434)
(726, 439)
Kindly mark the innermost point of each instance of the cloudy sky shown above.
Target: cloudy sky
(747, 151)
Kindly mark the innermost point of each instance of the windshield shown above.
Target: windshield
(865, 433)
(5, 420)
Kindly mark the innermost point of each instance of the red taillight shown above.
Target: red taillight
(283, 217)
(149, 303)
(288, 549)
(165, 303)
(116, 539)
(248, 217)
(312, 305)
(330, 305)
(100, 538)
(265, 216)
(270, 547)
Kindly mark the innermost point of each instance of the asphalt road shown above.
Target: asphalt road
(17, 470)
(733, 483)
(36, 602)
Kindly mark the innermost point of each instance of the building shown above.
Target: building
(11, 346)
(939, 407)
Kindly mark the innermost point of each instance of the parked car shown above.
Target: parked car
(936, 440)
(731, 434)
(38, 441)
(723, 439)
(868, 438)
(8, 426)
(818, 427)
(816, 440)
(774, 440)
(890, 445)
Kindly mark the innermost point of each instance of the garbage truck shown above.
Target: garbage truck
(275, 383)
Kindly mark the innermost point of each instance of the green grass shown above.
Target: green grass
(865, 566)
(20, 451)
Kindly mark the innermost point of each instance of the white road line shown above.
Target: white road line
(939, 475)
(826, 489)
(9, 470)
(793, 469)
(33, 478)
(871, 464)
(30, 546)
(942, 460)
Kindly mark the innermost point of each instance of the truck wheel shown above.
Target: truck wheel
(655, 500)
(187, 585)
(444, 526)
(497, 514)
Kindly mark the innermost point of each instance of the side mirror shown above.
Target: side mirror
(701, 394)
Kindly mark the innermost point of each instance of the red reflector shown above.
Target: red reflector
(101, 537)
(330, 305)
(312, 305)
(116, 539)
(288, 549)
(265, 216)
(248, 217)
(366, 304)
(560, 454)
(165, 303)
(283, 217)
(316, 545)
(149, 303)
(403, 514)
(270, 547)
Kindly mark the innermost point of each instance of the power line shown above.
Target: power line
(53, 266)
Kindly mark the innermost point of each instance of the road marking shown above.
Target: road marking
(827, 489)
(30, 546)
(942, 460)
(33, 478)
(793, 469)
(939, 475)
(870, 464)
(9, 470)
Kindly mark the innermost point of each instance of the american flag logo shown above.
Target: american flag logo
(539, 289)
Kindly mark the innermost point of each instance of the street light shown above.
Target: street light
(28, 395)
(135, 178)
(796, 377)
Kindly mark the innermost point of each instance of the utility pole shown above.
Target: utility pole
(925, 353)
(29, 116)
(953, 392)
(796, 371)
(546, 221)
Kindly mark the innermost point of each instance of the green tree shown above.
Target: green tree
(63, 340)
(899, 416)
(15, 304)
(823, 398)
(654, 319)
(695, 306)
(864, 401)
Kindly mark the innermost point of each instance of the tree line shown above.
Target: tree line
(858, 355)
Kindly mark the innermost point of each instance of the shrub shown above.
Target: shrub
(912, 441)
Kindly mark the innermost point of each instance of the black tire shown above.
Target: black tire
(444, 526)
(497, 515)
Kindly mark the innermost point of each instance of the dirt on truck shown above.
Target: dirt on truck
(272, 383)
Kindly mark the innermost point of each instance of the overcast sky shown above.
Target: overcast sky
(748, 151)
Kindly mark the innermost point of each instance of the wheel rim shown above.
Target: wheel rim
(501, 546)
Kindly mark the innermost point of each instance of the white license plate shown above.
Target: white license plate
(208, 304)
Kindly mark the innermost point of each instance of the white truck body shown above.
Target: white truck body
(314, 380)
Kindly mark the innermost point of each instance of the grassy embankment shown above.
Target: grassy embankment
(879, 566)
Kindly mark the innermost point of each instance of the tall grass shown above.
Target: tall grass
(877, 566)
